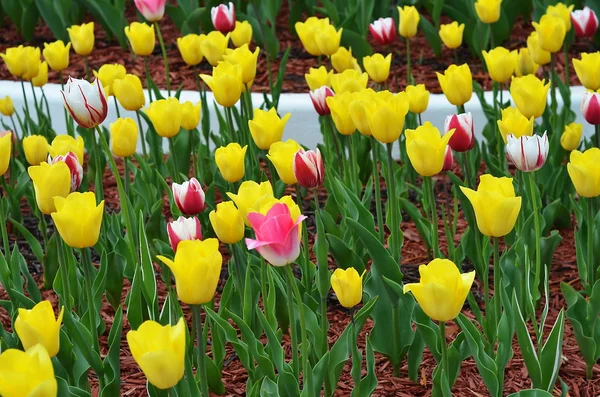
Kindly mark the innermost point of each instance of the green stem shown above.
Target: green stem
(232, 133)
(44, 101)
(173, 157)
(538, 234)
(142, 137)
(324, 273)
(164, 53)
(27, 117)
(99, 173)
(3, 227)
(420, 119)
(589, 370)
(292, 315)
(553, 83)
(567, 71)
(434, 219)
(444, 347)
(35, 101)
(89, 282)
(590, 243)
(117, 107)
(64, 276)
(377, 188)
(148, 79)
(409, 78)
(497, 279)
(306, 260)
(44, 230)
(395, 339)
(201, 370)
(356, 359)
(303, 334)
(126, 174)
(87, 68)
(597, 134)
(340, 159)
(12, 121)
(238, 277)
(392, 202)
(354, 162)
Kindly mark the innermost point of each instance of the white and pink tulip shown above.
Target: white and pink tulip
(590, 107)
(585, 22)
(223, 17)
(463, 139)
(70, 159)
(152, 10)
(383, 30)
(308, 168)
(85, 102)
(183, 229)
(527, 153)
(319, 99)
(189, 196)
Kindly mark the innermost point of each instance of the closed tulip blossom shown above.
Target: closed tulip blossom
(230, 160)
(571, 137)
(242, 34)
(123, 137)
(190, 48)
(39, 326)
(141, 37)
(82, 38)
(361, 107)
(525, 64)
(318, 77)
(27, 374)
(584, 172)
(409, 21)
(328, 40)
(513, 122)
(85, 102)
(214, 47)
(267, 127)
(159, 350)
(551, 32)
(378, 67)
(562, 11)
(347, 285)
(383, 30)
(457, 84)
(418, 98)
(57, 55)
(189, 196)
(488, 11)
(246, 59)
(190, 115)
(587, 70)
(463, 138)
(529, 95)
(165, 115)
(343, 60)
(249, 196)
(501, 63)
(426, 148)
(590, 107)
(307, 32)
(75, 168)
(442, 289)
(5, 152)
(339, 106)
(349, 81)
(22, 62)
(386, 121)
(107, 74)
(223, 17)
(585, 22)
(41, 79)
(129, 92)
(78, 219)
(495, 204)
(152, 10)
(183, 229)
(319, 99)
(277, 235)
(63, 144)
(538, 55)
(452, 34)
(309, 169)
(227, 222)
(527, 153)
(7, 107)
(226, 83)
(49, 181)
(448, 159)
(35, 148)
(281, 154)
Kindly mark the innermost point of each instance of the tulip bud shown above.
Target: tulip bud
(529, 95)
(85, 102)
(78, 219)
(513, 122)
(214, 47)
(418, 98)
(227, 222)
(27, 373)
(82, 37)
(190, 115)
(75, 168)
(361, 107)
(49, 181)
(328, 39)
(307, 32)
(39, 326)
(571, 137)
(249, 196)
(123, 137)
(590, 107)
(347, 285)
(189, 197)
(584, 172)
(41, 78)
(183, 229)
(226, 83)
(5, 152)
(319, 99)
(463, 139)
(6, 106)
(107, 74)
(426, 149)
(587, 70)
(318, 77)
(551, 32)
(488, 11)
(525, 64)
(63, 144)
(22, 62)
(378, 67)
(349, 80)
(561, 11)
(387, 115)
(190, 47)
(448, 159)
(152, 10)
(383, 30)
(141, 37)
(585, 22)
(343, 60)
(246, 59)
(308, 168)
(409, 21)
(281, 154)
(266, 128)
(242, 34)
(452, 34)
(339, 106)
(538, 55)
(35, 148)
(457, 84)
(230, 160)
(129, 92)
(165, 115)
(57, 55)
(501, 63)
(527, 153)
(223, 17)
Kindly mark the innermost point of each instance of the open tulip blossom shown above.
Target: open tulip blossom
(527, 153)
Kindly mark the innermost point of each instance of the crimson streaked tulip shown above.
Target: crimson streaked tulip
(383, 30)
(590, 107)
(585, 22)
(189, 196)
(223, 17)
(152, 10)
(527, 153)
(184, 229)
(308, 168)
(319, 99)
(463, 139)
(448, 159)
(85, 102)
(75, 168)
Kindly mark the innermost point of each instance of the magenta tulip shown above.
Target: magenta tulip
(383, 30)
(590, 107)
(308, 168)
(463, 139)
(189, 197)
(152, 10)
(585, 22)
(223, 17)
(448, 159)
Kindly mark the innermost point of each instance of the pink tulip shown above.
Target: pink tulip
(70, 159)
(448, 159)
(223, 17)
(183, 229)
(277, 238)
(383, 30)
(319, 99)
(85, 102)
(463, 139)
(527, 153)
(590, 107)
(308, 168)
(585, 22)
(189, 197)
(152, 10)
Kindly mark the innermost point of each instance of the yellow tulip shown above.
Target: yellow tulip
(307, 32)
(386, 121)
(452, 34)
(82, 37)
(57, 55)
(226, 83)
(328, 40)
(342, 60)
(129, 92)
(339, 105)
(501, 63)
(249, 196)
(227, 222)
(78, 219)
(50, 181)
(190, 47)
(196, 262)
(281, 154)
(457, 84)
(107, 74)
(123, 137)
(22, 61)
(349, 81)
(561, 11)
(27, 374)
(571, 137)
(39, 326)
(246, 59)
(551, 32)
(538, 55)
(513, 122)
(41, 78)
(318, 77)
(588, 71)
(525, 64)
(35, 148)
(378, 67)
(6, 106)
(584, 172)
(488, 11)
(230, 160)
(5, 152)
(442, 289)
(427, 149)
(165, 115)
(347, 285)
(214, 46)
(529, 95)
(190, 115)
(266, 128)
(242, 34)
(418, 98)
(141, 37)
(495, 205)
(159, 350)
(64, 144)
(362, 104)
(409, 21)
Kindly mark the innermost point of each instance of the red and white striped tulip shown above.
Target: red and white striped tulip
(448, 159)
(152, 10)
(85, 102)
(527, 153)
(383, 30)
(585, 22)
(463, 139)
(183, 229)
(308, 168)
(70, 159)
(189, 197)
(223, 17)
(319, 99)
(590, 107)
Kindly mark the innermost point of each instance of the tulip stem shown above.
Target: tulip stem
(553, 87)
(466, 165)
(444, 347)
(35, 101)
(87, 68)
(99, 173)
(303, 334)
(306, 259)
(497, 279)
(340, 159)
(377, 188)
(356, 359)
(201, 370)
(3, 227)
(148, 79)
(173, 158)
(394, 224)
(27, 117)
(87, 266)
(142, 138)
(354, 162)
(164, 53)
(590, 243)
(408, 70)
(420, 120)
(597, 135)
(126, 174)
(237, 264)
(324, 277)
(292, 315)
(232, 134)
(434, 224)
(64, 275)
(395, 340)
(538, 234)
(117, 107)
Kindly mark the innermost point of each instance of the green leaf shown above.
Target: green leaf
(112, 364)
(531, 393)
(551, 356)
(111, 17)
(32, 241)
(147, 272)
(30, 19)
(431, 33)
(360, 45)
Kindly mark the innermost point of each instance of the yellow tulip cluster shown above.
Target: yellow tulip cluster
(318, 36)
